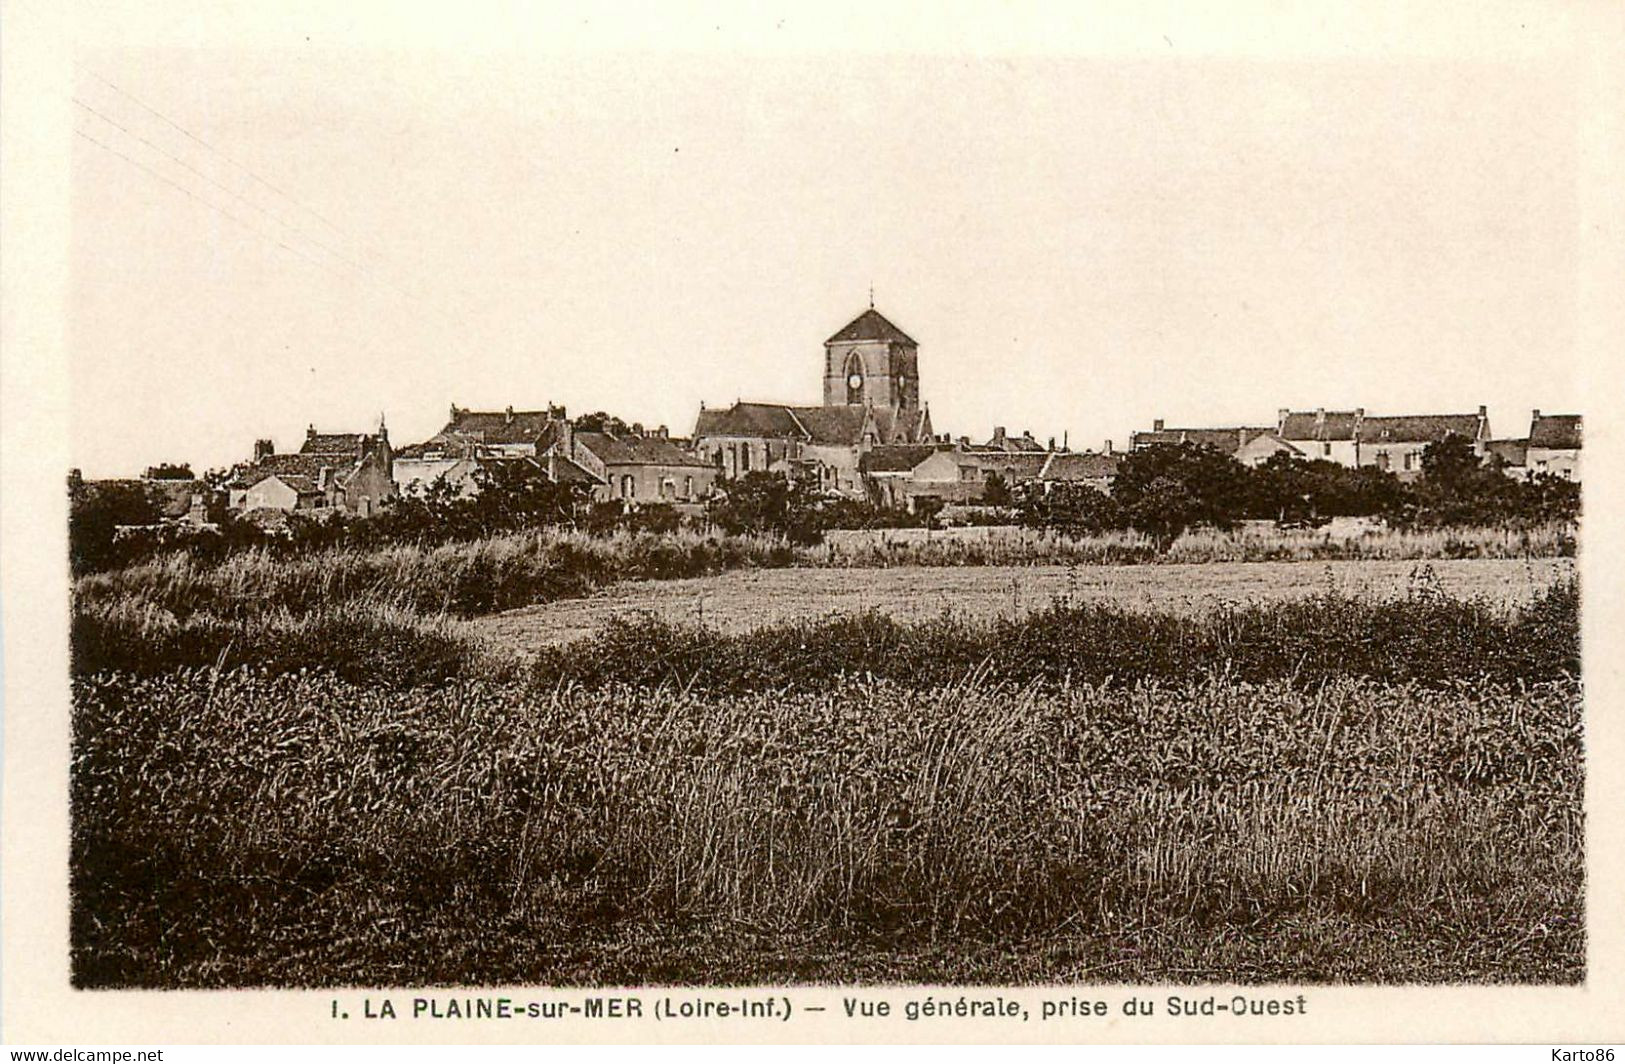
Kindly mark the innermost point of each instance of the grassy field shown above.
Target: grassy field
(298, 830)
(1332, 789)
(743, 600)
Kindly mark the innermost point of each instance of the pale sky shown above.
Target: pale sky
(1080, 242)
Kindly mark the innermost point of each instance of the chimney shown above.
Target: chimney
(1483, 411)
(1534, 415)
(998, 434)
(263, 449)
(1052, 443)
(507, 416)
(310, 433)
(1064, 433)
(1109, 447)
(383, 431)
(663, 433)
(454, 411)
(1156, 426)
(964, 442)
(1281, 416)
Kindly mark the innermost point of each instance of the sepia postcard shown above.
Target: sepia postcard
(808, 523)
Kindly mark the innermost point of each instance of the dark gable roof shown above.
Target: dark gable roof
(1560, 432)
(347, 444)
(868, 326)
(309, 466)
(562, 470)
(497, 426)
(839, 426)
(1418, 428)
(635, 450)
(1072, 465)
(300, 484)
(836, 425)
(1304, 425)
(900, 458)
(1014, 467)
(1227, 440)
(1512, 452)
(750, 419)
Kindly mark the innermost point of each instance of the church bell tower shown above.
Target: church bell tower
(872, 362)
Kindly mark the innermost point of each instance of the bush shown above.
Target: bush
(1423, 639)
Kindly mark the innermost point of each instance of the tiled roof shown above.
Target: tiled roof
(300, 484)
(308, 466)
(897, 458)
(1012, 444)
(634, 450)
(1304, 425)
(1418, 428)
(1228, 440)
(839, 426)
(334, 443)
(1075, 465)
(562, 470)
(1273, 442)
(836, 426)
(749, 419)
(497, 426)
(871, 325)
(1557, 431)
(1013, 467)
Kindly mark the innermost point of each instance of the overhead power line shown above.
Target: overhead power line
(200, 199)
(209, 147)
(178, 161)
(418, 304)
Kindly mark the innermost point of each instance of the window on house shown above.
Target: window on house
(744, 458)
(1382, 461)
(628, 487)
(1326, 449)
(717, 455)
(688, 487)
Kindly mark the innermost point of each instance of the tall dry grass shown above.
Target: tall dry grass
(1250, 543)
(257, 829)
(502, 572)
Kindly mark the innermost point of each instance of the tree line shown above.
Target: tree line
(1160, 491)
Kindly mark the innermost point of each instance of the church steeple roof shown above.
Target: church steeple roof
(871, 325)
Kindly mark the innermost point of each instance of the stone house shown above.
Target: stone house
(346, 472)
(1396, 444)
(629, 468)
(1090, 469)
(1331, 436)
(632, 467)
(1261, 448)
(1554, 445)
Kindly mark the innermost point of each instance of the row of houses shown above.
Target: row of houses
(358, 473)
(1391, 443)
(872, 437)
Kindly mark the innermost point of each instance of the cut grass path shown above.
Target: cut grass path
(745, 599)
